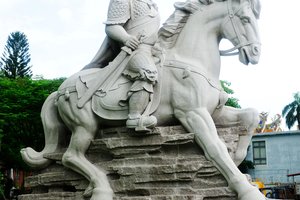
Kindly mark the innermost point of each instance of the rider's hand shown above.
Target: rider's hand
(132, 42)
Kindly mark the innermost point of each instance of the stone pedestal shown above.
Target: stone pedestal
(163, 165)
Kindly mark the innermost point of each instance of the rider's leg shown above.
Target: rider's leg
(138, 103)
(142, 70)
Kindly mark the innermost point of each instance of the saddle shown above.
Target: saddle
(112, 103)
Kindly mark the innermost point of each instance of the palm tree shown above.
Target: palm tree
(291, 112)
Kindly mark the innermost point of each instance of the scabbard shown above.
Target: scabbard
(115, 68)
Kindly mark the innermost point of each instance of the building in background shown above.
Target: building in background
(275, 156)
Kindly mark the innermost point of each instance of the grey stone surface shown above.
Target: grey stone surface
(166, 164)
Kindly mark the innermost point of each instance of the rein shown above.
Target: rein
(188, 68)
(231, 16)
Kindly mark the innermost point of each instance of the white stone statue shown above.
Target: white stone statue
(133, 24)
(183, 86)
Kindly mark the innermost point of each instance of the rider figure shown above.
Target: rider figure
(135, 23)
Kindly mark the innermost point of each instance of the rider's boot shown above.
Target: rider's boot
(138, 102)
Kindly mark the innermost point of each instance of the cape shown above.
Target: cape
(106, 53)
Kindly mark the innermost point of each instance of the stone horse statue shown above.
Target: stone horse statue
(191, 90)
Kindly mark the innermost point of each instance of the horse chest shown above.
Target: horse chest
(192, 92)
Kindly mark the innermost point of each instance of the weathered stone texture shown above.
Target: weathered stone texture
(163, 165)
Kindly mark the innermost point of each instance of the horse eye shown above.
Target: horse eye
(245, 20)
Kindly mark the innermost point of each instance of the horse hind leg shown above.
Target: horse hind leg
(84, 125)
(74, 158)
(244, 117)
(54, 131)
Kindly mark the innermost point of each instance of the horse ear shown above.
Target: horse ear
(256, 7)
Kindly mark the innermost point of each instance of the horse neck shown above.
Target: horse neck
(198, 42)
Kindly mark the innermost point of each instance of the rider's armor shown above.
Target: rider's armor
(139, 18)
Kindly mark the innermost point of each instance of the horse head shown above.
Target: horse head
(240, 27)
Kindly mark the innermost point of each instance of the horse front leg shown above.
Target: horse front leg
(199, 121)
(249, 118)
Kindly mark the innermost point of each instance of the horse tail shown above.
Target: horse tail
(54, 131)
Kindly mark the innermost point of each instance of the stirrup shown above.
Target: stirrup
(142, 124)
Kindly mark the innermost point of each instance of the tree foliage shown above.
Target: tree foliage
(245, 166)
(291, 112)
(1, 185)
(20, 123)
(232, 101)
(15, 58)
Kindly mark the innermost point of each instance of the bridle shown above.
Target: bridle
(232, 18)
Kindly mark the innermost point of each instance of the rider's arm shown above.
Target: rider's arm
(118, 33)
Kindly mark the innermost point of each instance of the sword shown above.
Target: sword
(116, 67)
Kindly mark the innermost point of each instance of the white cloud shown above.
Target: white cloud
(65, 14)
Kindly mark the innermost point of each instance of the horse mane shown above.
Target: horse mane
(256, 7)
(171, 29)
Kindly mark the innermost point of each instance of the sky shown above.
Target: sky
(64, 35)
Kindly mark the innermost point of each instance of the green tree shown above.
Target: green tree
(15, 58)
(291, 112)
(232, 101)
(1, 71)
(245, 166)
(20, 107)
(1, 186)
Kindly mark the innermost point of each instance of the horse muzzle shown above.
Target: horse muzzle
(250, 54)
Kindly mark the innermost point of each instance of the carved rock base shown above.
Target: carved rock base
(163, 165)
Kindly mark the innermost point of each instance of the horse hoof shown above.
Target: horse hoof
(100, 194)
(252, 194)
(88, 191)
